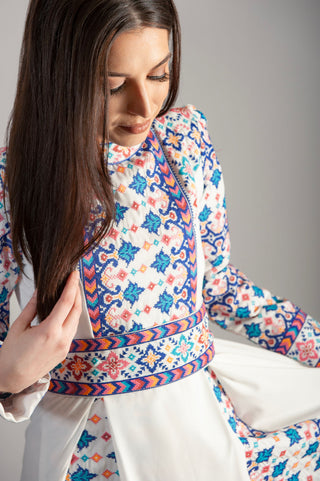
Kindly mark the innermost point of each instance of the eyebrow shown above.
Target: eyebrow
(118, 74)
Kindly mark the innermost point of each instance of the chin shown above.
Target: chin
(128, 140)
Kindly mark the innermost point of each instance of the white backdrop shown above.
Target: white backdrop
(253, 67)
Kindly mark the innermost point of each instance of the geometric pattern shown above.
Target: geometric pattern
(139, 337)
(291, 454)
(144, 270)
(73, 388)
(137, 366)
(233, 301)
(94, 456)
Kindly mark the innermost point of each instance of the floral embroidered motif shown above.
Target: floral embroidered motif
(151, 358)
(112, 365)
(183, 348)
(78, 366)
(307, 350)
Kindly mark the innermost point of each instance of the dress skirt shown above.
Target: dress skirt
(240, 418)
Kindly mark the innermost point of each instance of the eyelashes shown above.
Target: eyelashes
(154, 78)
(159, 78)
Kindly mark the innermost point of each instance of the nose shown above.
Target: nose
(140, 101)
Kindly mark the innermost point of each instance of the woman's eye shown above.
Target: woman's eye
(159, 78)
(118, 89)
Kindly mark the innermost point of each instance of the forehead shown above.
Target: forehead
(136, 49)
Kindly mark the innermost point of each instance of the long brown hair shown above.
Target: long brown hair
(56, 170)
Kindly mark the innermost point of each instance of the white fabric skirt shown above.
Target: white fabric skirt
(178, 432)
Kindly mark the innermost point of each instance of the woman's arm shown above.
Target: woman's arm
(28, 353)
(232, 300)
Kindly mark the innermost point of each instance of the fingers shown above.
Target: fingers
(67, 300)
(28, 314)
(72, 320)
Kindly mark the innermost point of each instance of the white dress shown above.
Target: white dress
(146, 393)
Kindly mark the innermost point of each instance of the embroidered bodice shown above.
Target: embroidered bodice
(144, 270)
(169, 249)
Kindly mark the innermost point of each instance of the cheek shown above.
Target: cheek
(161, 94)
(114, 108)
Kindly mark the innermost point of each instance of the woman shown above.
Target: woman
(103, 178)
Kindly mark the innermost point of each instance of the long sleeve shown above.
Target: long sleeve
(17, 407)
(9, 270)
(232, 300)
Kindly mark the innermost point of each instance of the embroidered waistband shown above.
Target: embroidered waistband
(135, 361)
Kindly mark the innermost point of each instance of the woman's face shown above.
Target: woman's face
(138, 75)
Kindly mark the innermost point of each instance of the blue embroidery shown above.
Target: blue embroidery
(82, 475)
(152, 223)
(312, 448)
(132, 292)
(242, 312)
(257, 291)
(264, 455)
(279, 468)
(120, 211)
(293, 435)
(138, 184)
(253, 330)
(216, 177)
(204, 214)
(161, 263)
(165, 302)
(85, 440)
(127, 252)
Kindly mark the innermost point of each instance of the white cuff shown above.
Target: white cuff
(19, 407)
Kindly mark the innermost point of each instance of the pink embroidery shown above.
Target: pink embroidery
(307, 350)
(113, 365)
(204, 338)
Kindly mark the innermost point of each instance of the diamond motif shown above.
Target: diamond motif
(122, 275)
(170, 279)
(146, 246)
(166, 240)
(114, 234)
(95, 419)
(106, 436)
(126, 315)
(96, 457)
(107, 474)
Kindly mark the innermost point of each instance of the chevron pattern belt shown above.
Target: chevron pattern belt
(135, 361)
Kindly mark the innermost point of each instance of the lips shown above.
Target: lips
(136, 128)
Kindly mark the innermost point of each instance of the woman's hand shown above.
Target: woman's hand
(30, 352)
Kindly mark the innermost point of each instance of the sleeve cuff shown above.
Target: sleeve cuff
(19, 407)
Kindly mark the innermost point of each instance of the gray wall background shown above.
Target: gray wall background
(253, 67)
